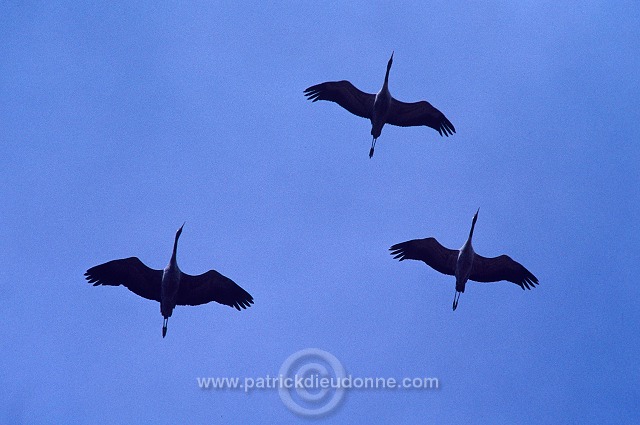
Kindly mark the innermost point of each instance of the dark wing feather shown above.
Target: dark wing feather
(419, 113)
(130, 272)
(501, 268)
(344, 94)
(212, 286)
(428, 250)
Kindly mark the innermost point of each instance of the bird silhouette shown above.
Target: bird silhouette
(380, 108)
(464, 263)
(170, 287)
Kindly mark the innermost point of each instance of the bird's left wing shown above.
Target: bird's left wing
(212, 286)
(502, 268)
(428, 250)
(418, 113)
(130, 272)
(344, 94)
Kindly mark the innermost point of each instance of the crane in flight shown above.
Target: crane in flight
(464, 263)
(381, 108)
(170, 287)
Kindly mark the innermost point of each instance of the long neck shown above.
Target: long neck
(385, 86)
(471, 231)
(175, 250)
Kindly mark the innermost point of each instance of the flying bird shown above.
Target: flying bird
(380, 108)
(170, 287)
(464, 263)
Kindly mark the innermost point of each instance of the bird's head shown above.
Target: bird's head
(175, 244)
(473, 225)
(179, 232)
(475, 217)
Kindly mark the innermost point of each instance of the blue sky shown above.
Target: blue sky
(119, 122)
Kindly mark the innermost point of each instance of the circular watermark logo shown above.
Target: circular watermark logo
(311, 378)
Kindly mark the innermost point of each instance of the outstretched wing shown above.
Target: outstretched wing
(129, 272)
(418, 113)
(501, 268)
(344, 94)
(212, 286)
(428, 250)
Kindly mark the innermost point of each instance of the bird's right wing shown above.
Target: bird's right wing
(428, 250)
(212, 286)
(130, 272)
(344, 94)
(405, 114)
(500, 268)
